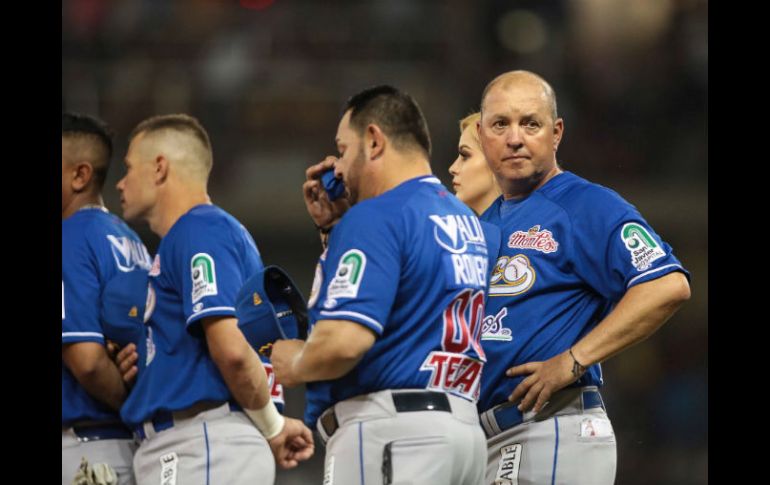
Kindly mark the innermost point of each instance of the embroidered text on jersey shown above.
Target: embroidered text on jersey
(534, 238)
(455, 232)
(493, 329)
(129, 253)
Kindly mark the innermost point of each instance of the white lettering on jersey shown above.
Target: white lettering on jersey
(457, 232)
(470, 270)
(453, 373)
(129, 254)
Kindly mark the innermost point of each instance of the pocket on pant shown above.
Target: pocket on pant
(595, 429)
(420, 460)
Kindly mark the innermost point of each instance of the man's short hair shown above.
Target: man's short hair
(547, 89)
(181, 123)
(95, 131)
(395, 112)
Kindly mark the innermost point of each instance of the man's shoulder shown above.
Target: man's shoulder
(577, 194)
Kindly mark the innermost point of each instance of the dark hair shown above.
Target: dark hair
(179, 122)
(80, 125)
(395, 112)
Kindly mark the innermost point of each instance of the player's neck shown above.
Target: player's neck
(173, 205)
(523, 188)
(81, 201)
(401, 169)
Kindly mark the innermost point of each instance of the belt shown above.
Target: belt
(567, 401)
(102, 431)
(163, 420)
(404, 402)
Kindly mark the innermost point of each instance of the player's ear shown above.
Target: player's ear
(83, 173)
(558, 132)
(161, 169)
(374, 139)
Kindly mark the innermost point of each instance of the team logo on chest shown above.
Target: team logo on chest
(511, 276)
(534, 238)
(643, 248)
(204, 276)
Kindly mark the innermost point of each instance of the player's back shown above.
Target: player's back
(411, 265)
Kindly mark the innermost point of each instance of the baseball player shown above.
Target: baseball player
(196, 404)
(580, 277)
(97, 247)
(393, 361)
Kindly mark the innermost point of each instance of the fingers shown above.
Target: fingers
(519, 370)
(127, 358)
(522, 389)
(130, 374)
(531, 397)
(112, 349)
(314, 172)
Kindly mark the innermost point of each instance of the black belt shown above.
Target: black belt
(404, 402)
(102, 431)
(162, 420)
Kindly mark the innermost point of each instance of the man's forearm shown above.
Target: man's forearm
(641, 311)
(95, 371)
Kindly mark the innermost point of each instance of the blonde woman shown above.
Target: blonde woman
(472, 180)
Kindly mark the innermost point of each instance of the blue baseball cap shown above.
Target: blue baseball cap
(270, 307)
(126, 300)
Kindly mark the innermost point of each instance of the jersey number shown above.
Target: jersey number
(462, 323)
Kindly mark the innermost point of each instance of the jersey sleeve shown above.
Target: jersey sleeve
(210, 271)
(80, 290)
(361, 270)
(615, 248)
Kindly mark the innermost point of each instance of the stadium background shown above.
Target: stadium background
(268, 78)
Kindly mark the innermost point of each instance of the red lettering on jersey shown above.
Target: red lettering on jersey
(276, 389)
(454, 373)
(462, 328)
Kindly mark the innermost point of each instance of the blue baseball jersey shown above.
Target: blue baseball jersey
(410, 265)
(96, 245)
(201, 263)
(568, 254)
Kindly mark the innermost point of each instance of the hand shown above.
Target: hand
(324, 212)
(545, 379)
(293, 444)
(112, 349)
(282, 357)
(126, 361)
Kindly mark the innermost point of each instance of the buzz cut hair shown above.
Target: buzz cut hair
(97, 133)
